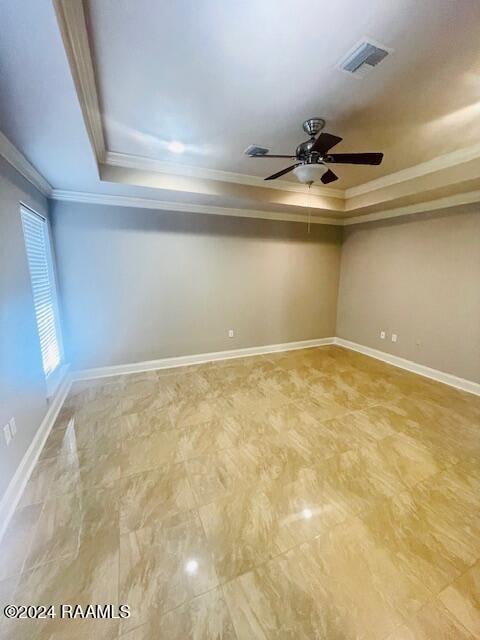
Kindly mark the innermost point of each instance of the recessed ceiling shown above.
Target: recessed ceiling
(219, 76)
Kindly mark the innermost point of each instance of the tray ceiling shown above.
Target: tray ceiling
(219, 76)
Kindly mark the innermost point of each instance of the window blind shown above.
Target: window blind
(39, 256)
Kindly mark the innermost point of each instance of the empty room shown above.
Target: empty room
(239, 320)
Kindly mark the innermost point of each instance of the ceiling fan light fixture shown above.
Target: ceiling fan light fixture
(313, 156)
(306, 173)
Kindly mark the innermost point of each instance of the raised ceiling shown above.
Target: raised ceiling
(219, 76)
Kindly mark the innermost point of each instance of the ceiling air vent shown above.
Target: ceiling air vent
(363, 57)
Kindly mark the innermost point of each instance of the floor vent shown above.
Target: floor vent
(363, 57)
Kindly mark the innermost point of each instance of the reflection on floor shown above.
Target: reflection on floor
(316, 494)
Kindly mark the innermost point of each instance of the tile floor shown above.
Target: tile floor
(315, 494)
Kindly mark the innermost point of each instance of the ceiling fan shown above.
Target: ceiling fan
(312, 157)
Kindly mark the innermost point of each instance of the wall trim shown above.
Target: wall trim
(143, 163)
(172, 207)
(459, 199)
(72, 19)
(438, 163)
(414, 367)
(19, 162)
(448, 202)
(185, 361)
(15, 489)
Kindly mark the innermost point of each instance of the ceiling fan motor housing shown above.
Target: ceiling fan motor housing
(312, 126)
(303, 149)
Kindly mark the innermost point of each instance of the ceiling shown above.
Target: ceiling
(93, 92)
(220, 76)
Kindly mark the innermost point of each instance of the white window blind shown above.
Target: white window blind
(39, 256)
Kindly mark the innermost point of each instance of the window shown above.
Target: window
(39, 256)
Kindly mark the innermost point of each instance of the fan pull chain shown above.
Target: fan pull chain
(309, 210)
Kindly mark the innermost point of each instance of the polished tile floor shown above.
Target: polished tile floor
(315, 494)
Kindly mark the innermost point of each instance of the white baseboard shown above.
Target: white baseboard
(414, 367)
(17, 485)
(24, 470)
(184, 361)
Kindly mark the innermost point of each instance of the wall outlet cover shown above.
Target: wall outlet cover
(394, 337)
(382, 335)
(13, 426)
(231, 333)
(7, 433)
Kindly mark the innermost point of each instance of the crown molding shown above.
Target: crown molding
(173, 207)
(72, 20)
(445, 161)
(143, 163)
(19, 162)
(456, 200)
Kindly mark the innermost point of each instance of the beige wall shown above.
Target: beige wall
(140, 285)
(22, 383)
(418, 277)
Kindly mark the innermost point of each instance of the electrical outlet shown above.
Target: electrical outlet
(13, 426)
(8, 434)
(394, 337)
(231, 333)
(382, 335)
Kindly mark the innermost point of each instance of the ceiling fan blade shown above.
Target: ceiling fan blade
(328, 176)
(355, 158)
(269, 155)
(282, 172)
(324, 142)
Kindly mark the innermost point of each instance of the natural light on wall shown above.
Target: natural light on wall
(37, 245)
